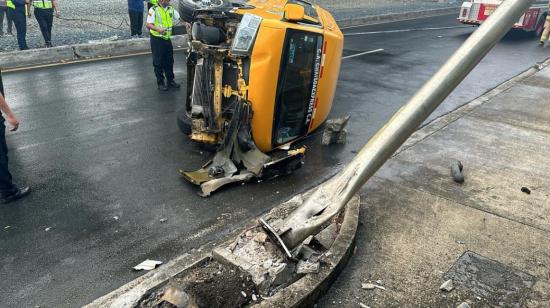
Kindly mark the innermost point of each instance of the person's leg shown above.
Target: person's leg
(49, 25)
(20, 20)
(132, 14)
(3, 10)
(10, 21)
(545, 33)
(139, 23)
(6, 185)
(169, 66)
(40, 16)
(157, 50)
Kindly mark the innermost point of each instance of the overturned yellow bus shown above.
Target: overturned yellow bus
(260, 75)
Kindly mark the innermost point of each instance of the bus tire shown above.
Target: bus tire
(185, 123)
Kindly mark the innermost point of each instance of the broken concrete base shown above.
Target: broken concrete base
(292, 289)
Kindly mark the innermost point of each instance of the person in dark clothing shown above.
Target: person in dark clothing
(8, 191)
(135, 10)
(18, 12)
(9, 22)
(44, 12)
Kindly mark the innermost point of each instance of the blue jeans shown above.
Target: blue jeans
(20, 20)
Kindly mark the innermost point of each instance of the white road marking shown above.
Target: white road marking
(362, 53)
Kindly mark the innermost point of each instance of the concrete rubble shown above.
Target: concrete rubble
(447, 286)
(335, 131)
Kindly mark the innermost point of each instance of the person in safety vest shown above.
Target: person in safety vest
(43, 12)
(8, 191)
(4, 12)
(17, 9)
(151, 3)
(546, 33)
(160, 22)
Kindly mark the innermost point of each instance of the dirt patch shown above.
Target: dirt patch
(210, 284)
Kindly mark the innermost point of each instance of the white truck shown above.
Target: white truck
(475, 12)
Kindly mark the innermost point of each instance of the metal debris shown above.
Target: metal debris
(48, 229)
(147, 265)
(163, 220)
(456, 171)
(463, 305)
(243, 293)
(335, 131)
(116, 217)
(363, 305)
(254, 297)
(447, 286)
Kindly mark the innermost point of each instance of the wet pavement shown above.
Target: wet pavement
(100, 148)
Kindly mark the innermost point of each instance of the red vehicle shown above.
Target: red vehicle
(475, 12)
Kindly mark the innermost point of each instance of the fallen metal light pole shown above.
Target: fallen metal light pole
(331, 197)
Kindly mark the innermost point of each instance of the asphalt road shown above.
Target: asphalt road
(99, 146)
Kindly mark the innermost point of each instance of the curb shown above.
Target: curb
(376, 19)
(303, 293)
(66, 54)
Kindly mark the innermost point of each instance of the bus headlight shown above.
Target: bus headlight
(246, 33)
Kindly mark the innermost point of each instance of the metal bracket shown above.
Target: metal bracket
(276, 238)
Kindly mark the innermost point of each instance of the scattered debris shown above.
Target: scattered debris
(177, 297)
(380, 282)
(163, 220)
(371, 286)
(526, 190)
(147, 265)
(335, 131)
(48, 229)
(306, 267)
(460, 242)
(447, 286)
(7, 227)
(368, 286)
(260, 237)
(243, 293)
(463, 305)
(327, 236)
(116, 217)
(363, 305)
(456, 171)
(254, 297)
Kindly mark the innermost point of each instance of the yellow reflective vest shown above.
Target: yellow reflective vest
(10, 4)
(163, 18)
(42, 4)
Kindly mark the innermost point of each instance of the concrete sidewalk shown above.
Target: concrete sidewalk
(418, 228)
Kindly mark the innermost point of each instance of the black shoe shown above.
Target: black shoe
(541, 44)
(173, 84)
(20, 193)
(162, 87)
